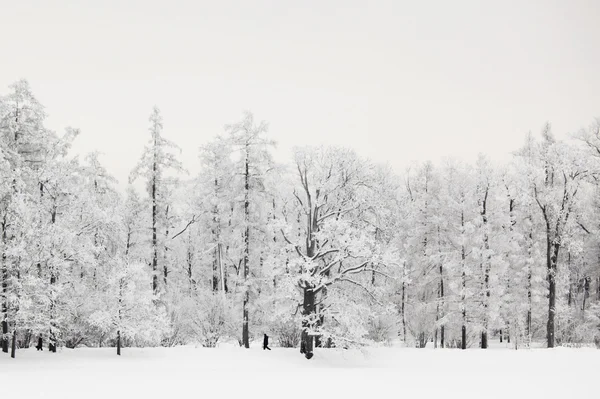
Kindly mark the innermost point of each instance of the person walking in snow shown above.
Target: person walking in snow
(266, 342)
(39, 346)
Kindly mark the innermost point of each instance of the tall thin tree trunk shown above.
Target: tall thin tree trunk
(53, 276)
(570, 294)
(464, 289)
(190, 258)
(553, 248)
(486, 267)
(529, 286)
(154, 233)
(4, 272)
(217, 281)
(245, 331)
(165, 262)
(402, 311)
(13, 350)
(586, 294)
(119, 343)
(441, 290)
(221, 271)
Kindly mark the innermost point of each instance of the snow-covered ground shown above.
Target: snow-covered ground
(188, 372)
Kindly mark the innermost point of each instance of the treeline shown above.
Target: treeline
(328, 250)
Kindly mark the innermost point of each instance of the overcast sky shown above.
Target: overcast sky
(398, 81)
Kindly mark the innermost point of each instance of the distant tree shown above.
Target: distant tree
(250, 143)
(157, 159)
(560, 174)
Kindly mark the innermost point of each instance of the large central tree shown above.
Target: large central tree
(335, 241)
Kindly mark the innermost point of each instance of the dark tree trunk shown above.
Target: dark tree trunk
(570, 295)
(215, 271)
(464, 303)
(484, 340)
(441, 291)
(154, 227)
(402, 309)
(245, 331)
(464, 286)
(13, 350)
(119, 343)
(486, 267)
(217, 239)
(441, 309)
(586, 292)
(4, 333)
(529, 288)
(52, 336)
(422, 340)
(308, 310)
(552, 257)
(165, 262)
(4, 337)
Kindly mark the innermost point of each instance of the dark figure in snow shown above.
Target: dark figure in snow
(266, 342)
(39, 346)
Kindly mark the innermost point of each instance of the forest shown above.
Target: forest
(328, 249)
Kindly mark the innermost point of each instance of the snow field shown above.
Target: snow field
(188, 372)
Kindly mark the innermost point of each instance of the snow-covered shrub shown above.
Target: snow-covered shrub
(206, 319)
(288, 333)
(382, 329)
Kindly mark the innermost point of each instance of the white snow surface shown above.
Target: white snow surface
(190, 372)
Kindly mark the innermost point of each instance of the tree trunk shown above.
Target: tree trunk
(4, 329)
(215, 270)
(4, 338)
(14, 344)
(570, 295)
(190, 257)
(221, 271)
(165, 262)
(118, 343)
(464, 285)
(402, 310)
(308, 310)
(464, 303)
(154, 231)
(552, 256)
(441, 289)
(486, 278)
(529, 287)
(52, 336)
(245, 332)
(586, 293)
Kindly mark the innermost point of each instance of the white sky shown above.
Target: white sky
(397, 81)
